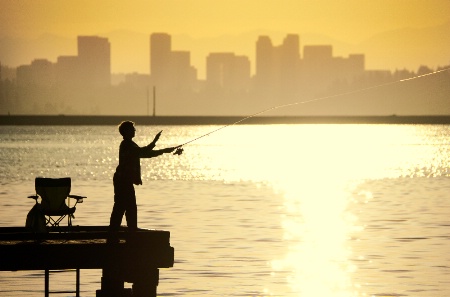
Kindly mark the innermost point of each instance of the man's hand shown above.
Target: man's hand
(157, 137)
(169, 149)
(179, 150)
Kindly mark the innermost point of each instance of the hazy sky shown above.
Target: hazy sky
(350, 20)
(347, 20)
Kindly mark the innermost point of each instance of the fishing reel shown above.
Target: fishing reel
(179, 151)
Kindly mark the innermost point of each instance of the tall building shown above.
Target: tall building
(160, 51)
(317, 53)
(277, 66)
(94, 56)
(320, 68)
(39, 73)
(227, 71)
(356, 64)
(265, 68)
(68, 71)
(170, 69)
(288, 59)
(182, 74)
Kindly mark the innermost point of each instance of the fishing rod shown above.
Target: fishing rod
(179, 149)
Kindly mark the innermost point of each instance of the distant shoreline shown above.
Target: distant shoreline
(60, 120)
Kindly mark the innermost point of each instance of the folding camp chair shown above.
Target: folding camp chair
(53, 193)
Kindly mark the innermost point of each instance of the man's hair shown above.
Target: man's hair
(125, 126)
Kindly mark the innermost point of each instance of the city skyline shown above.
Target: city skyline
(358, 44)
(164, 54)
(394, 34)
(71, 48)
(92, 63)
(21, 52)
(81, 84)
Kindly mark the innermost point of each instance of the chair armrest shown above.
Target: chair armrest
(35, 197)
(77, 197)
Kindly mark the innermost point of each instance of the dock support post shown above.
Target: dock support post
(77, 289)
(145, 285)
(112, 284)
(47, 283)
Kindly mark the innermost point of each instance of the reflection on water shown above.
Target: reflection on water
(279, 210)
(318, 227)
(325, 201)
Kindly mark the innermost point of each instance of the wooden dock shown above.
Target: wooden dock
(135, 258)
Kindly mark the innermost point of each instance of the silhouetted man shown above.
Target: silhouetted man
(128, 174)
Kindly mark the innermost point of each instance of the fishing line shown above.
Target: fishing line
(180, 150)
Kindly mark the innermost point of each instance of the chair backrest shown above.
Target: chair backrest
(53, 192)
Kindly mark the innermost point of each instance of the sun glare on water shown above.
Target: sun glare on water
(318, 180)
(317, 169)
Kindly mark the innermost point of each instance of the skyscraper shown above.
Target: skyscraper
(160, 51)
(94, 55)
(277, 66)
(170, 69)
(289, 58)
(264, 63)
(227, 71)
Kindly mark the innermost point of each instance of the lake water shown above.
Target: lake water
(254, 210)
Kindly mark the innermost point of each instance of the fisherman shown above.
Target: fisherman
(128, 174)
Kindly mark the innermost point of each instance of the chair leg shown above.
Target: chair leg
(47, 283)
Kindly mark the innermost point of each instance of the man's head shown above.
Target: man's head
(126, 129)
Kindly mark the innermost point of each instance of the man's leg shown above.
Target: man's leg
(119, 204)
(116, 216)
(118, 209)
(131, 211)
